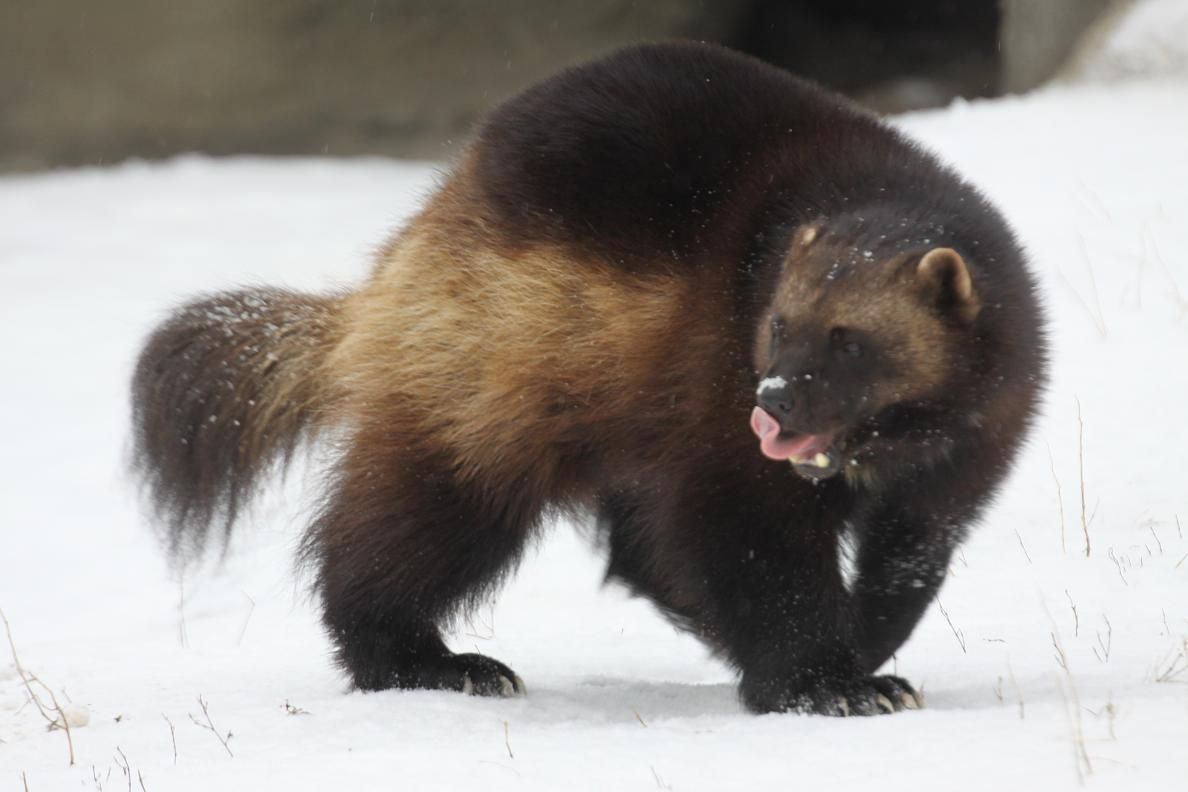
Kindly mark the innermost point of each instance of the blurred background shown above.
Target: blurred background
(91, 83)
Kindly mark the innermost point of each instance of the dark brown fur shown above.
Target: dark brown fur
(577, 320)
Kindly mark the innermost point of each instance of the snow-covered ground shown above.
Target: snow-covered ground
(1062, 658)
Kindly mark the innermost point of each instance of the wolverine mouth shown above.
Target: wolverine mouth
(813, 455)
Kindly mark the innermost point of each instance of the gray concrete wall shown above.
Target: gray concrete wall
(1038, 36)
(93, 81)
(86, 82)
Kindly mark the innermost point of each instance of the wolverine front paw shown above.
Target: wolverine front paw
(869, 695)
(479, 675)
(472, 674)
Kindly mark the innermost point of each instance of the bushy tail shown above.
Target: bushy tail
(224, 389)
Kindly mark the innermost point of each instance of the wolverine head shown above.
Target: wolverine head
(857, 347)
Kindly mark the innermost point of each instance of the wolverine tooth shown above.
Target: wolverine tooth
(821, 461)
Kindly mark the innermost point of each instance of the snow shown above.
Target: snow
(1042, 671)
(770, 383)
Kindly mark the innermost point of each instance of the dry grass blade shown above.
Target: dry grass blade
(957, 633)
(1076, 618)
(172, 736)
(1081, 471)
(1072, 703)
(1059, 498)
(1023, 547)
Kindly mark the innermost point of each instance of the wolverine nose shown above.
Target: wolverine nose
(774, 396)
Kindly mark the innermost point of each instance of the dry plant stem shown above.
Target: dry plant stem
(507, 740)
(1059, 498)
(172, 736)
(28, 679)
(1176, 295)
(125, 767)
(24, 781)
(1095, 313)
(140, 780)
(1081, 469)
(1015, 687)
(488, 627)
(1158, 543)
(1080, 754)
(1176, 666)
(639, 718)
(1023, 547)
(1111, 714)
(956, 633)
(292, 710)
(209, 726)
(1076, 618)
(1117, 565)
(1107, 644)
(1061, 660)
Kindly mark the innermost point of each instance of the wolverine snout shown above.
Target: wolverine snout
(785, 396)
(774, 395)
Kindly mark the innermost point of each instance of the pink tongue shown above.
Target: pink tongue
(798, 447)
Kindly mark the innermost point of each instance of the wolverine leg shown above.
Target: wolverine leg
(769, 598)
(401, 546)
(902, 561)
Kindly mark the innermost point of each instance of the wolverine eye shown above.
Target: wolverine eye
(843, 341)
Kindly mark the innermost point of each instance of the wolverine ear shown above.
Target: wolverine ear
(946, 277)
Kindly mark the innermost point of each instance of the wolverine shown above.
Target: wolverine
(733, 317)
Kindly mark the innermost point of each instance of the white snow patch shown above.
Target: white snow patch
(771, 383)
